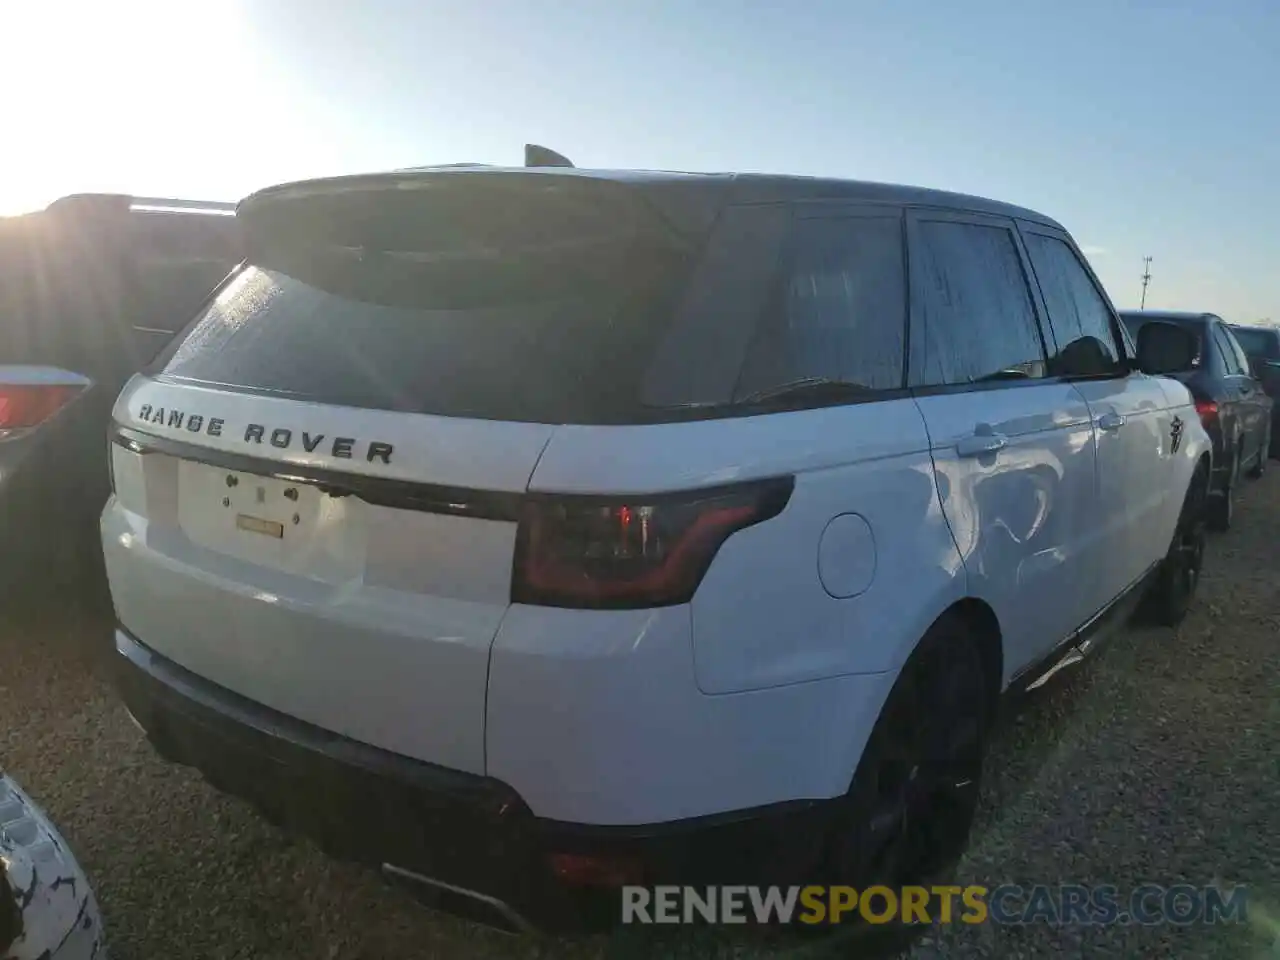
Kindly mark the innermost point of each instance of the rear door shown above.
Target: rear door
(1253, 404)
(1012, 447)
(317, 484)
(1128, 410)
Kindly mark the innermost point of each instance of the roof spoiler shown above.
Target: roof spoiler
(536, 156)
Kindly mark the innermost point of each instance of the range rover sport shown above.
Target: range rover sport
(527, 532)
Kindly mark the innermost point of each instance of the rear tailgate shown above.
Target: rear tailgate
(318, 582)
(317, 483)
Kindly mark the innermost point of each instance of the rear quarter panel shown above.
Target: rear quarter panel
(844, 581)
(1196, 444)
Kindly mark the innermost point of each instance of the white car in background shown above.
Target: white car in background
(532, 532)
(47, 909)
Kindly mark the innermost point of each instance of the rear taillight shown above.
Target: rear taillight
(27, 405)
(1208, 411)
(642, 552)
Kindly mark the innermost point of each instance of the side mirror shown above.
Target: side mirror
(1165, 348)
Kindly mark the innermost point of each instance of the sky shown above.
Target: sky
(1147, 129)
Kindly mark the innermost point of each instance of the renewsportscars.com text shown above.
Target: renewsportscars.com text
(1007, 904)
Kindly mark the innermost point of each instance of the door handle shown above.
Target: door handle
(1110, 421)
(981, 444)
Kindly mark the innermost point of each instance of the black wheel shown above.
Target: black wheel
(909, 810)
(1170, 596)
(1222, 506)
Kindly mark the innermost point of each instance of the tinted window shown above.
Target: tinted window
(1242, 359)
(976, 314)
(572, 352)
(1134, 322)
(1256, 343)
(842, 309)
(1078, 314)
(1233, 364)
(701, 358)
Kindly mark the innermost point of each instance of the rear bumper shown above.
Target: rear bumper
(471, 841)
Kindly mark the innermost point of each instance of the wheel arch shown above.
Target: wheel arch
(983, 625)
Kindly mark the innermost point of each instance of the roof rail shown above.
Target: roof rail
(168, 205)
(123, 202)
(440, 166)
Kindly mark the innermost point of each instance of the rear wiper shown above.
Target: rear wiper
(811, 388)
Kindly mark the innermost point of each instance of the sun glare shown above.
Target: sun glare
(99, 96)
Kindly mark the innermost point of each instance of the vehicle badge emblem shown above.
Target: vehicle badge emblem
(1175, 434)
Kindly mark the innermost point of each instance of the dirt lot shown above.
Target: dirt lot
(1157, 762)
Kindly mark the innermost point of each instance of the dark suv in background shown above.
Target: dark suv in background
(91, 288)
(1262, 345)
(1235, 410)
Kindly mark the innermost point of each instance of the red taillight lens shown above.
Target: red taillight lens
(1207, 409)
(587, 871)
(648, 552)
(27, 405)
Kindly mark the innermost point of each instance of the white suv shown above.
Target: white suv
(529, 531)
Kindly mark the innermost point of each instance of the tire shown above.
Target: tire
(1170, 596)
(1222, 506)
(908, 813)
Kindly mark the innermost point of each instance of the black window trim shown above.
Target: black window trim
(922, 214)
(1128, 363)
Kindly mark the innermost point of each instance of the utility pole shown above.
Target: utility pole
(1146, 278)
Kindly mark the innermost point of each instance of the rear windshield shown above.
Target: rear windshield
(551, 306)
(1256, 343)
(570, 346)
(1134, 322)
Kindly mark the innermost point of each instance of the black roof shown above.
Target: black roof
(1257, 327)
(737, 187)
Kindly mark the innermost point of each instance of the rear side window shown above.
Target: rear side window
(1235, 364)
(1241, 357)
(977, 322)
(840, 311)
(1078, 313)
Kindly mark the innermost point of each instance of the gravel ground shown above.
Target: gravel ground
(1157, 762)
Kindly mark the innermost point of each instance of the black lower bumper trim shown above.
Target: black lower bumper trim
(461, 834)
